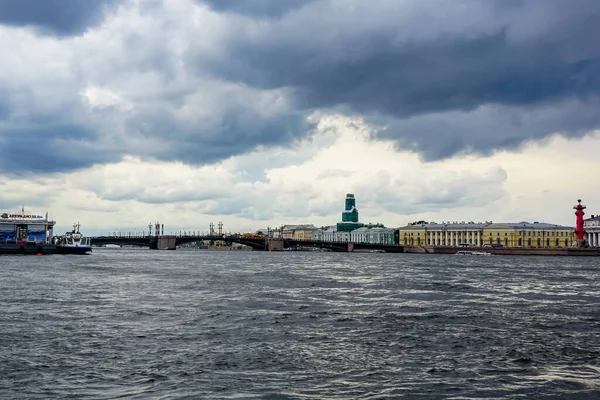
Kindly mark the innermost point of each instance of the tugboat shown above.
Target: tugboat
(73, 242)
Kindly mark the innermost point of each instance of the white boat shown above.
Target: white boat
(73, 242)
(472, 253)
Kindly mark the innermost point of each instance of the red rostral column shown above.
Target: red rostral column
(579, 224)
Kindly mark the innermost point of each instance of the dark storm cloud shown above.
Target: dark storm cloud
(231, 132)
(60, 17)
(434, 62)
(437, 77)
(48, 146)
(270, 8)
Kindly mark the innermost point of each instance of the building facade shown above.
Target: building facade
(25, 228)
(591, 227)
(287, 231)
(317, 234)
(517, 234)
(304, 232)
(373, 235)
(329, 234)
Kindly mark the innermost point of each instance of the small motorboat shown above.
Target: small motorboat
(73, 242)
(472, 253)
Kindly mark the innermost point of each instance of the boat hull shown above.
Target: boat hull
(29, 249)
(73, 249)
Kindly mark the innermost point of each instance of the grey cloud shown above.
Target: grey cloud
(437, 78)
(488, 128)
(229, 132)
(270, 8)
(59, 17)
(427, 60)
(47, 147)
(434, 193)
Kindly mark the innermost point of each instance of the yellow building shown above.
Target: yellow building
(520, 234)
(304, 232)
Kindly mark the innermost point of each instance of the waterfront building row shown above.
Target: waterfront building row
(448, 234)
(374, 234)
(519, 234)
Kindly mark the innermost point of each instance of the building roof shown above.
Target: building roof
(593, 218)
(366, 229)
(299, 226)
(527, 225)
(487, 225)
(307, 227)
(382, 229)
(460, 225)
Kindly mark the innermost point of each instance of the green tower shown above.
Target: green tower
(349, 216)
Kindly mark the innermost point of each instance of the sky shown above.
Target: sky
(257, 113)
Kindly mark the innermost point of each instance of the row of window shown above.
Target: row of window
(505, 242)
(521, 233)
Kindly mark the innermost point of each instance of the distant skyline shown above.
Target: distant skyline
(118, 113)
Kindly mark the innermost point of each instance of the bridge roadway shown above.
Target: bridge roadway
(256, 243)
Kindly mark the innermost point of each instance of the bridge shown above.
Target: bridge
(256, 243)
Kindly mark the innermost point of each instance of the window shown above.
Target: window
(520, 242)
(491, 240)
(498, 241)
(506, 242)
(557, 242)
(529, 242)
(548, 242)
(539, 242)
(566, 242)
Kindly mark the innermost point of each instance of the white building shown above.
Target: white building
(591, 226)
(382, 236)
(319, 233)
(373, 235)
(329, 234)
(360, 235)
(341, 236)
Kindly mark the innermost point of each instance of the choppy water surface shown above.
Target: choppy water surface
(183, 324)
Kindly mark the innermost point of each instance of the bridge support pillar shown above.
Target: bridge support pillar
(274, 244)
(350, 247)
(166, 243)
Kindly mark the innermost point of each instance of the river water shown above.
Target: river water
(253, 325)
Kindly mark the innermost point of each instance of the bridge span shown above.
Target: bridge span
(256, 243)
